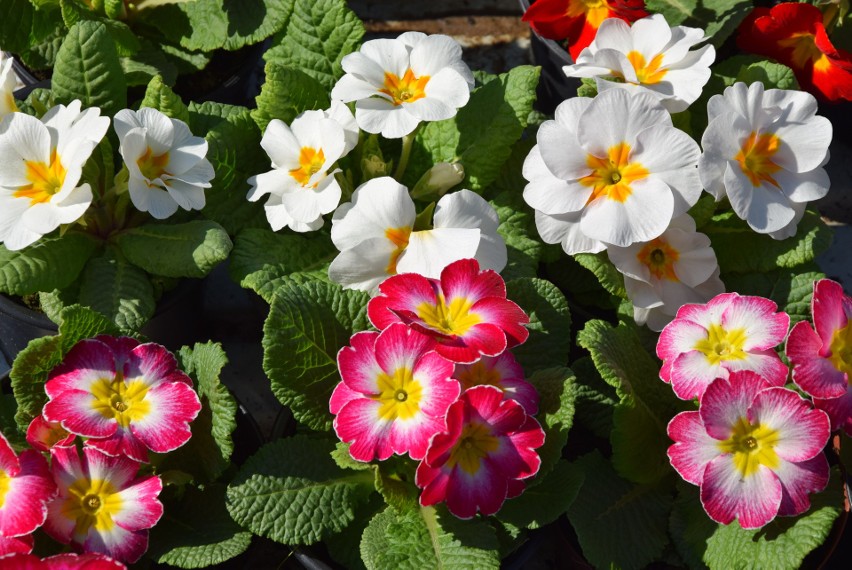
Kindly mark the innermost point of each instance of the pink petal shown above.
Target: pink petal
(340, 396)
(166, 426)
(812, 372)
(440, 390)
(678, 337)
(726, 495)
(140, 508)
(485, 491)
(800, 479)
(24, 502)
(121, 346)
(434, 482)
(75, 411)
(120, 471)
(357, 363)
(692, 373)
(766, 364)
(89, 361)
(400, 347)
(9, 462)
(121, 443)
(708, 313)
(91, 561)
(153, 364)
(764, 327)
(17, 545)
(802, 430)
(124, 545)
(506, 315)
(726, 401)
(412, 436)
(827, 307)
(402, 292)
(839, 411)
(463, 279)
(481, 339)
(693, 448)
(42, 434)
(358, 423)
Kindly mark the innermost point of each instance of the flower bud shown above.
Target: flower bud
(438, 180)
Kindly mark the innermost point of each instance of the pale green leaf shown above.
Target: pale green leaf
(287, 92)
(118, 290)
(160, 96)
(608, 276)
(50, 263)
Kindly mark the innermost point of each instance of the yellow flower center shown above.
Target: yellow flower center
(91, 504)
(120, 400)
(722, 345)
(452, 319)
(841, 349)
(399, 394)
(399, 238)
(752, 445)
(406, 89)
(311, 161)
(479, 374)
(659, 257)
(612, 175)
(5, 482)
(806, 51)
(151, 166)
(755, 158)
(474, 444)
(646, 73)
(45, 180)
(596, 11)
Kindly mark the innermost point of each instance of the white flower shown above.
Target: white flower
(41, 163)
(648, 56)
(609, 171)
(167, 164)
(400, 82)
(9, 83)
(301, 185)
(375, 235)
(765, 152)
(667, 272)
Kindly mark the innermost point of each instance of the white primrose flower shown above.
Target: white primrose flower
(41, 163)
(667, 272)
(376, 238)
(397, 83)
(765, 150)
(301, 184)
(166, 162)
(9, 83)
(648, 56)
(609, 171)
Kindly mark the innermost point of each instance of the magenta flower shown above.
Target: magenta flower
(822, 355)
(729, 333)
(125, 396)
(102, 506)
(483, 456)
(25, 489)
(502, 372)
(66, 561)
(754, 449)
(16, 545)
(394, 395)
(466, 311)
(43, 435)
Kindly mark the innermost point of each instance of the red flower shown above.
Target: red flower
(577, 21)
(794, 35)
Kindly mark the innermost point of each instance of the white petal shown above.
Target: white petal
(644, 215)
(803, 145)
(449, 87)
(350, 88)
(378, 205)
(565, 230)
(281, 145)
(188, 196)
(390, 55)
(362, 267)
(561, 151)
(160, 131)
(155, 201)
(616, 116)
(430, 251)
(764, 207)
(465, 209)
(381, 116)
(344, 117)
(124, 121)
(805, 186)
(672, 156)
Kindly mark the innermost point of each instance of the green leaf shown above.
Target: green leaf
(292, 492)
(550, 323)
(675, 11)
(45, 38)
(618, 524)
(790, 289)
(557, 393)
(318, 35)
(87, 68)
(201, 25)
(544, 502)
(609, 277)
(427, 538)
(483, 132)
(772, 75)
(252, 21)
(205, 116)
(344, 460)
(51, 263)
(126, 42)
(395, 483)
(191, 249)
(262, 258)
(148, 62)
(595, 399)
(287, 92)
(719, 18)
(15, 25)
(118, 290)
(307, 325)
(197, 531)
(160, 96)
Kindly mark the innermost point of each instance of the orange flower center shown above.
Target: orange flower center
(479, 374)
(153, 167)
(474, 444)
(454, 318)
(45, 180)
(659, 257)
(646, 73)
(596, 11)
(399, 238)
(755, 158)
(406, 89)
(806, 51)
(311, 161)
(612, 175)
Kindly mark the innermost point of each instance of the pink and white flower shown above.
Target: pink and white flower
(67, 561)
(729, 333)
(43, 435)
(394, 394)
(124, 396)
(503, 372)
(25, 489)
(466, 311)
(822, 356)
(483, 456)
(753, 448)
(102, 507)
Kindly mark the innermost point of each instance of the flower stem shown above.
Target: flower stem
(407, 143)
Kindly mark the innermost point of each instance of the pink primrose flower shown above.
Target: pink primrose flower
(394, 395)
(483, 456)
(67, 561)
(25, 489)
(15, 545)
(502, 372)
(124, 396)
(729, 333)
(754, 449)
(466, 311)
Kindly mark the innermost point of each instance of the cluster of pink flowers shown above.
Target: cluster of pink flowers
(753, 446)
(440, 384)
(123, 399)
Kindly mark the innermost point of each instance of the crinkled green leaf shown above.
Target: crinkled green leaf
(15, 25)
(318, 35)
(160, 96)
(791, 289)
(345, 547)
(543, 502)
(197, 531)
(190, 249)
(287, 92)
(45, 38)
(252, 21)
(557, 393)
(291, 491)
(595, 400)
(340, 455)
(118, 290)
(608, 276)
(87, 68)
(126, 42)
(148, 62)
(619, 524)
(201, 25)
(550, 323)
(427, 538)
(395, 483)
(50, 263)
(719, 18)
(675, 11)
(308, 324)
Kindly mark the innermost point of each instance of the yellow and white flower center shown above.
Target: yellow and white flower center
(755, 158)
(646, 73)
(311, 161)
(92, 504)
(659, 257)
(5, 483)
(474, 444)
(596, 11)
(120, 400)
(722, 345)
(479, 374)
(405, 89)
(153, 167)
(399, 238)
(806, 51)
(45, 180)
(752, 445)
(613, 175)
(841, 349)
(452, 319)
(399, 394)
